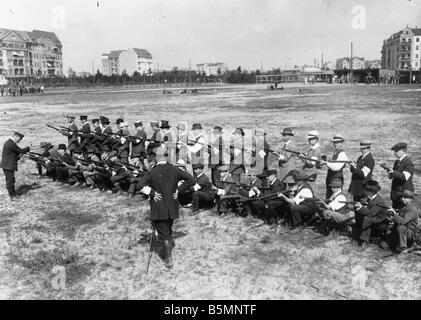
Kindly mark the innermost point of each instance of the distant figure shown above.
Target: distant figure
(2, 91)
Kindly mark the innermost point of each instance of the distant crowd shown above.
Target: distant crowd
(20, 89)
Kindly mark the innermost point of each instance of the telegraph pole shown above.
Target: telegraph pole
(352, 49)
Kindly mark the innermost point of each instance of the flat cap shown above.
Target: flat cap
(198, 166)
(223, 168)
(399, 146)
(338, 138)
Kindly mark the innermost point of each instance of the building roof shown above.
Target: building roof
(143, 53)
(115, 53)
(36, 35)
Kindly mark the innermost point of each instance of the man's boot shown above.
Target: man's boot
(167, 254)
(12, 192)
(118, 188)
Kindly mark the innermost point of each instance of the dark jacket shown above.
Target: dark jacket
(408, 216)
(85, 135)
(72, 139)
(373, 208)
(358, 179)
(164, 179)
(138, 148)
(399, 182)
(204, 183)
(10, 155)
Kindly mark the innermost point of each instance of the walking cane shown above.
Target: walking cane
(153, 234)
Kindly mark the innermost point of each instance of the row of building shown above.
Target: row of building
(30, 54)
(39, 53)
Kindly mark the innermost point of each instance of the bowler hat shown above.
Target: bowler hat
(197, 126)
(94, 120)
(62, 146)
(165, 124)
(118, 121)
(77, 150)
(399, 146)
(138, 124)
(372, 185)
(218, 128)
(337, 138)
(198, 166)
(365, 144)
(287, 132)
(83, 117)
(20, 135)
(104, 120)
(336, 183)
(406, 194)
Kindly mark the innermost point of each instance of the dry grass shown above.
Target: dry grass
(93, 235)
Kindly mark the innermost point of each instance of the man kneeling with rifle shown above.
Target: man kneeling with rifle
(371, 215)
(335, 210)
(299, 210)
(227, 191)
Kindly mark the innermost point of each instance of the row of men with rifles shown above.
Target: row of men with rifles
(105, 160)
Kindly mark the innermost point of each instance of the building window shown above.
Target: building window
(417, 56)
(418, 39)
(417, 47)
(416, 64)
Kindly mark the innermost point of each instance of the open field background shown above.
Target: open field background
(93, 235)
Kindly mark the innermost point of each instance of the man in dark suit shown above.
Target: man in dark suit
(401, 175)
(203, 195)
(372, 216)
(138, 145)
(270, 208)
(62, 170)
(85, 133)
(215, 151)
(361, 171)
(160, 184)
(9, 161)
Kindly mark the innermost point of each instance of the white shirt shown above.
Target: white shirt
(336, 166)
(336, 204)
(303, 193)
(201, 142)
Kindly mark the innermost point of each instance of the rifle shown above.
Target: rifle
(383, 166)
(336, 161)
(274, 195)
(154, 233)
(365, 204)
(242, 185)
(57, 129)
(299, 154)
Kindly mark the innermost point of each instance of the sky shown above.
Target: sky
(246, 33)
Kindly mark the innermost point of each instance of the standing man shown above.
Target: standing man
(138, 146)
(335, 169)
(287, 160)
(93, 142)
(72, 138)
(215, 151)
(106, 132)
(85, 133)
(401, 175)
(9, 161)
(199, 142)
(361, 171)
(237, 155)
(311, 163)
(161, 184)
(155, 136)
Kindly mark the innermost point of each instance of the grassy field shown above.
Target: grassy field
(94, 235)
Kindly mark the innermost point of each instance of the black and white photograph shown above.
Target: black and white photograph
(239, 150)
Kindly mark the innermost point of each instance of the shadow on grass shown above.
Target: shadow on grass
(25, 188)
